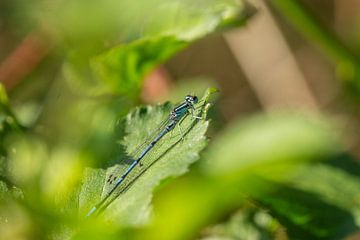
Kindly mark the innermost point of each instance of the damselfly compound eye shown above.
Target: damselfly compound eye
(191, 99)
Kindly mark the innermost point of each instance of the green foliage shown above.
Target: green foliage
(250, 222)
(307, 216)
(119, 68)
(91, 23)
(205, 196)
(268, 176)
(123, 66)
(346, 63)
(259, 140)
(169, 158)
(8, 124)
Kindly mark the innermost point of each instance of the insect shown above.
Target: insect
(177, 114)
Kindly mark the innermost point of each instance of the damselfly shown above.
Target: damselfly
(177, 114)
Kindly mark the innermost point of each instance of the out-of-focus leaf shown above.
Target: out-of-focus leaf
(169, 158)
(122, 68)
(346, 162)
(15, 222)
(270, 147)
(155, 38)
(7, 193)
(7, 119)
(3, 95)
(3, 190)
(8, 125)
(333, 185)
(88, 22)
(249, 222)
(320, 201)
(306, 216)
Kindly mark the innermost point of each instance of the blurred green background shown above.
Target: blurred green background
(276, 159)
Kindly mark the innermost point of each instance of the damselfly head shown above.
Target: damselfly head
(191, 99)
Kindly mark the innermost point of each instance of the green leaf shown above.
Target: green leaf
(86, 24)
(8, 124)
(306, 215)
(250, 222)
(320, 201)
(170, 157)
(170, 27)
(3, 95)
(333, 185)
(270, 146)
(122, 68)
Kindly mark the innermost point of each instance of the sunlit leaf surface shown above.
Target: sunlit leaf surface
(170, 157)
